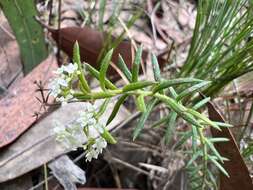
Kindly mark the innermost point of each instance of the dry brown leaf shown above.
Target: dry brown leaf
(236, 167)
(91, 43)
(18, 107)
(38, 145)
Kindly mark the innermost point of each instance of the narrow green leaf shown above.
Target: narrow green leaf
(192, 89)
(156, 69)
(116, 108)
(136, 64)
(203, 118)
(213, 149)
(123, 67)
(161, 121)
(194, 138)
(173, 92)
(218, 139)
(220, 124)
(194, 157)
(76, 58)
(143, 118)
(182, 140)
(95, 73)
(28, 32)
(103, 69)
(170, 126)
(140, 103)
(218, 165)
(179, 81)
(137, 85)
(215, 158)
(213, 179)
(102, 108)
(201, 103)
(178, 108)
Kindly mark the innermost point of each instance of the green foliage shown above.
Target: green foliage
(123, 67)
(76, 58)
(104, 66)
(221, 46)
(28, 32)
(221, 50)
(156, 92)
(136, 65)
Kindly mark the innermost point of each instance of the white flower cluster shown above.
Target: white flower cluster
(75, 134)
(61, 87)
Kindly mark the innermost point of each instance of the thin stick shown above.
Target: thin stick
(59, 34)
(45, 176)
(134, 168)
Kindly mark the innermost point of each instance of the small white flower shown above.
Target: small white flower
(59, 70)
(64, 100)
(71, 68)
(54, 88)
(91, 122)
(89, 107)
(89, 154)
(100, 144)
(62, 82)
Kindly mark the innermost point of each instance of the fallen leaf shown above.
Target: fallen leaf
(38, 145)
(235, 167)
(91, 43)
(20, 104)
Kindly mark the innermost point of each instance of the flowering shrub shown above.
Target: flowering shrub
(160, 91)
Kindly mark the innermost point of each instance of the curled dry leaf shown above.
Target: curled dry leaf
(91, 43)
(236, 167)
